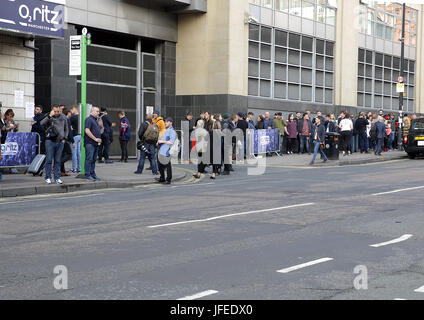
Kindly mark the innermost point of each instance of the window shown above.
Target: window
(377, 77)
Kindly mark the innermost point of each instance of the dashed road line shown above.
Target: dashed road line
(230, 215)
(399, 190)
(199, 295)
(420, 289)
(304, 265)
(400, 239)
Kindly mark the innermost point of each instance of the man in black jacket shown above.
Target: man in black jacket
(38, 128)
(361, 129)
(147, 149)
(107, 136)
(230, 124)
(319, 139)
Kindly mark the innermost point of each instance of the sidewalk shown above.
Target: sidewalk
(303, 160)
(115, 175)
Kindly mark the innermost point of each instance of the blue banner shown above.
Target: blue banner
(265, 141)
(19, 150)
(33, 16)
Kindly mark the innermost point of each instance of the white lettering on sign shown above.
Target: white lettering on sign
(265, 140)
(43, 14)
(9, 149)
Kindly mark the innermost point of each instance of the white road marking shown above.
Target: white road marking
(230, 215)
(420, 289)
(403, 238)
(199, 295)
(398, 299)
(193, 185)
(396, 191)
(52, 198)
(304, 265)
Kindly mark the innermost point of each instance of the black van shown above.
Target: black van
(414, 142)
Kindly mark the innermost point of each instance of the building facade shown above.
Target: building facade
(222, 56)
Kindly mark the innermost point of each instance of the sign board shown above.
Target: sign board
(20, 149)
(75, 56)
(400, 79)
(29, 110)
(34, 17)
(400, 87)
(149, 110)
(19, 99)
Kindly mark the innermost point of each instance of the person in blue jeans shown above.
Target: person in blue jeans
(57, 131)
(92, 140)
(147, 148)
(319, 137)
(76, 146)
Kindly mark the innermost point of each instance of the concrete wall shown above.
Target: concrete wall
(346, 59)
(123, 16)
(16, 73)
(212, 50)
(419, 72)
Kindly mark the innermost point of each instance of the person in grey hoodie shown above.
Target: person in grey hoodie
(56, 134)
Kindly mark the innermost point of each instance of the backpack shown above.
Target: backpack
(102, 127)
(175, 149)
(151, 135)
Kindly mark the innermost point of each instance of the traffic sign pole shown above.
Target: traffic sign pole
(86, 41)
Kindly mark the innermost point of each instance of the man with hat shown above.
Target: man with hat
(164, 158)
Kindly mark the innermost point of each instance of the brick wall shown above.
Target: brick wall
(16, 73)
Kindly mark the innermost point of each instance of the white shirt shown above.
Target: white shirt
(346, 125)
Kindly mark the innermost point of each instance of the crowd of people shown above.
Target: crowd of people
(298, 134)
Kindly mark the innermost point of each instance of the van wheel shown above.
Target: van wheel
(412, 155)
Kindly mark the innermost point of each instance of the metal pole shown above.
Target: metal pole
(83, 98)
(402, 68)
(86, 41)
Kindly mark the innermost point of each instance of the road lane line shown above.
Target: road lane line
(229, 215)
(420, 289)
(403, 238)
(193, 185)
(52, 198)
(396, 191)
(199, 295)
(399, 299)
(304, 265)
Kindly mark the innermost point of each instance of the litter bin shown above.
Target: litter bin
(332, 141)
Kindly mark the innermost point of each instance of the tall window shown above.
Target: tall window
(384, 21)
(286, 65)
(377, 78)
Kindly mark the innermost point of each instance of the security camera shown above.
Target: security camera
(252, 20)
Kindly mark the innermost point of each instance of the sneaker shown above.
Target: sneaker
(167, 182)
(159, 180)
(96, 178)
(138, 172)
(49, 181)
(325, 160)
(108, 161)
(311, 163)
(90, 179)
(58, 181)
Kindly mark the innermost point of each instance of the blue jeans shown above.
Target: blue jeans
(91, 152)
(76, 154)
(54, 155)
(317, 147)
(391, 139)
(281, 141)
(379, 146)
(304, 142)
(152, 158)
(363, 141)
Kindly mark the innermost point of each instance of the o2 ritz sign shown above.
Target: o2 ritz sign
(9, 149)
(33, 16)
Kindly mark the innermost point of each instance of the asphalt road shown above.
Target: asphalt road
(225, 239)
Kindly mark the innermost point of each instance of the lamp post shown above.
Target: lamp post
(86, 41)
(402, 68)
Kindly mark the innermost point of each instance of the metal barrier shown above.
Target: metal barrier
(23, 159)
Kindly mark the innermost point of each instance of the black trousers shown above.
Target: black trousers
(346, 141)
(168, 168)
(104, 150)
(292, 144)
(124, 149)
(201, 166)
